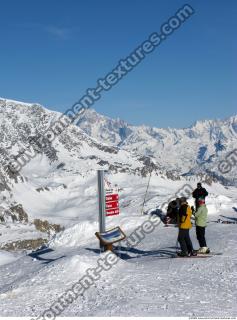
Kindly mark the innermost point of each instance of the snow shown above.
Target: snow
(144, 282)
(76, 235)
(14, 232)
(7, 257)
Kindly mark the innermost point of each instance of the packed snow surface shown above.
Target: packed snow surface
(7, 257)
(146, 281)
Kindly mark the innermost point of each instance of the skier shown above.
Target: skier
(172, 211)
(199, 193)
(201, 223)
(185, 225)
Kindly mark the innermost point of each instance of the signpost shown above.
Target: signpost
(100, 175)
(108, 203)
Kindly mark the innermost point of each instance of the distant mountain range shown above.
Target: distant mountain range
(98, 141)
(190, 151)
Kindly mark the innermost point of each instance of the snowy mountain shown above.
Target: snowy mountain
(53, 201)
(45, 196)
(190, 151)
(53, 185)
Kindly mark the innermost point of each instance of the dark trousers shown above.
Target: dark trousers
(196, 204)
(185, 241)
(200, 232)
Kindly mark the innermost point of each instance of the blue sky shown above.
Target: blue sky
(52, 51)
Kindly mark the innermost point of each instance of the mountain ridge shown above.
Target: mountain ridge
(61, 177)
(118, 119)
(194, 149)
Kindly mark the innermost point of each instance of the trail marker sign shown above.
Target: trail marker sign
(108, 206)
(111, 202)
(111, 197)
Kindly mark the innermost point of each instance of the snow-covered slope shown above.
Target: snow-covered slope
(62, 176)
(197, 149)
(60, 180)
(146, 280)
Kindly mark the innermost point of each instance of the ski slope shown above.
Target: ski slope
(144, 282)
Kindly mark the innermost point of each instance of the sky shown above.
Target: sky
(52, 51)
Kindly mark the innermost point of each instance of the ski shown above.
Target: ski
(226, 221)
(210, 254)
(198, 256)
(201, 255)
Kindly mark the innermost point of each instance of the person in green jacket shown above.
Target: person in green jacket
(201, 223)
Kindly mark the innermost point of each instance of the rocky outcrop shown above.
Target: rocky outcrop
(45, 226)
(27, 244)
(19, 213)
(13, 214)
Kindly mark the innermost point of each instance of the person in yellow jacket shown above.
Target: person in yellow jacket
(185, 225)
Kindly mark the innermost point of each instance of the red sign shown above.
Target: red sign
(112, 202)
(111, 197)
(112, 205)
(112, 212)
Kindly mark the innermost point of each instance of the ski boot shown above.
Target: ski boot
(192, 253)
(204, 250)
(182, 254)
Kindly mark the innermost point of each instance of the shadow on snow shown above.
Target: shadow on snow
(37, 255)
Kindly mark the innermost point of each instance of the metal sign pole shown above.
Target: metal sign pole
(101, 193)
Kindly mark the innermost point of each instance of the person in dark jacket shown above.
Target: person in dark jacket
(185, 225)
(172, 212)
(199, 193)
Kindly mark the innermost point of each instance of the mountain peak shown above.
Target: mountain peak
(15, 102)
